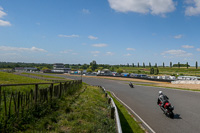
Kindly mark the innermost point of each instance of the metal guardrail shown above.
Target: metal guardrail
(117, 119)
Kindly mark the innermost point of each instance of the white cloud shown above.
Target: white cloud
(130, 49)
(127, 54)
(85, 11)
(99, 45)
(109, 53)
(9, 54)
(2, 13)
(194, 9)
(178, 36)
(187, 46)
(66, 51)
(68, 36)
(177, 53)
(95, 52)
(3, 22)
(155, 7)
(33, 49)
(198, 49)
(92, 37)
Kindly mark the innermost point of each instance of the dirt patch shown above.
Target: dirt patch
(183, 86)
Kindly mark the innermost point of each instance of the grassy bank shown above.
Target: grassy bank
(85, 111)
(192, 71)
(41, 75)
(9, 78)
(128, 124)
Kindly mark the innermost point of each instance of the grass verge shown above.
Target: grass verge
(128, 124)
(41, 75)
(9, 78)
(85, 111)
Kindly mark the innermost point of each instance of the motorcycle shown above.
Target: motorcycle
(167, 109)
(131, 85)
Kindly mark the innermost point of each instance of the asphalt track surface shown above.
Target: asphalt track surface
(143, 101)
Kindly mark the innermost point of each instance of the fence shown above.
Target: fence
(16, 103)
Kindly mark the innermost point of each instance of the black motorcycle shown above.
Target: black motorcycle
(131, 85)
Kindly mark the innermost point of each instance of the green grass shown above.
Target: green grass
(87, 111)
(9, 78)
(192, 71)
(128, 124)
(44, 76)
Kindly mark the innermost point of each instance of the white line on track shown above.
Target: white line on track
(135, 114)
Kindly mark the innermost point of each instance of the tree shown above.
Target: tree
(127, 65)
(133, 64)
(170, 64)
(89, 70)
(138, 64)
(149, 64)
(152, 70)
(93, 65)
(179, 65)
(45, 68)
(143, 64)
(156, 65)
(196, 65)
(100, 68)
(66, 65)
(156, 71)
(163, 64)
(119, 71)
(84, 66)
(187, 65)
(112, 69)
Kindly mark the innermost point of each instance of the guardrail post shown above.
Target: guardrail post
(113, 113)
(60, 92)
(51, 92)
(109, 100)
(0, 96)
(36, 94)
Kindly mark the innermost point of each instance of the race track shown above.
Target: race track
(142, 100)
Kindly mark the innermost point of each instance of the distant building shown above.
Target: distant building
(60, 68)
(58, 65)
(25, 69)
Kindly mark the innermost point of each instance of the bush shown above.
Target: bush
(119, 71)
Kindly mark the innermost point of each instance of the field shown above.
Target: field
(191, 71)
(9, 78)
(42, 76)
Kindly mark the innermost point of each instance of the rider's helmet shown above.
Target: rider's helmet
(160, 92)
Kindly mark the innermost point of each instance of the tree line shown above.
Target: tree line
(93, 66)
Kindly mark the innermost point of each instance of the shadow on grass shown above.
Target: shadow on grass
(124, 124)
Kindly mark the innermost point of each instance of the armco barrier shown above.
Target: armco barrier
(116, 115)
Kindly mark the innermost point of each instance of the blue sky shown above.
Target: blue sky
(108, 31)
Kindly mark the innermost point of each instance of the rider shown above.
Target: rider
(162, 98)
(130, 84)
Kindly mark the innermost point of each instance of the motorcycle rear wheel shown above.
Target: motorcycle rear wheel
(171, 115)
